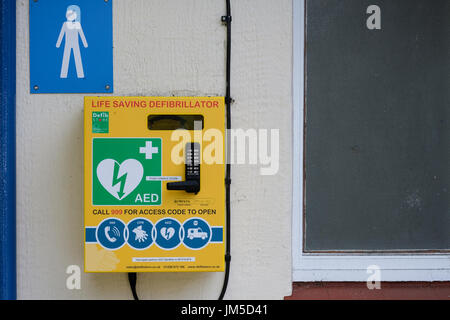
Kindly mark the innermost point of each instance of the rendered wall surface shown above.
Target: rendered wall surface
(162, 47)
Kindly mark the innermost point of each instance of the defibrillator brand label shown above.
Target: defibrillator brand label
(121, 167)
(100, 122)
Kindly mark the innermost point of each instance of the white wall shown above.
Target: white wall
(162, 47)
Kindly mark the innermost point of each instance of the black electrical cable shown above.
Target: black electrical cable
(227, 20)
(132, 279)
(132, 276)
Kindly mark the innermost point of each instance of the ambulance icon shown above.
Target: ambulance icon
(196, 233)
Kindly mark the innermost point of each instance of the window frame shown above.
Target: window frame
(341, 266)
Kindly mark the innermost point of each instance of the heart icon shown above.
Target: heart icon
(167, 233)
(120, 179)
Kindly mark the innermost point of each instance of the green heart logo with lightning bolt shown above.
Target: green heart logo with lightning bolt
(120, 179)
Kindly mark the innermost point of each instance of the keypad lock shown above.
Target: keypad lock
(192, 170)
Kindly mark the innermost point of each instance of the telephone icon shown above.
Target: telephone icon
(115, 232)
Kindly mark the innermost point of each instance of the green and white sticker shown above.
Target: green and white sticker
(120, 168)
(100, 122)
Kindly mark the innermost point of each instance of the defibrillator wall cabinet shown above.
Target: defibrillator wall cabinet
(154, 194)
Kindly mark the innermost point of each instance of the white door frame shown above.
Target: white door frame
(342, 267)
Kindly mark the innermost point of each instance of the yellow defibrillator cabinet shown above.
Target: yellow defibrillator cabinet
(154, 192)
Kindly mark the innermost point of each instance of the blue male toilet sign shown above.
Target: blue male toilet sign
(71, 46)
(71, 30)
